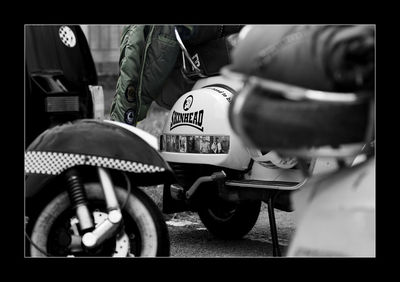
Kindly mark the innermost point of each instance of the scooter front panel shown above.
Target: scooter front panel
(198, 130)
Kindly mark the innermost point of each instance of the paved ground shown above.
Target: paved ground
(190, 239)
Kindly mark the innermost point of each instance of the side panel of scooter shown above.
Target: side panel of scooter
(197, 119)
(95, 143)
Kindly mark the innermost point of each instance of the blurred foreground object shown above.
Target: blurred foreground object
(309, 93)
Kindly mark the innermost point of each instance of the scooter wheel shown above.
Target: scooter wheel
(144, 230)
(227, 220)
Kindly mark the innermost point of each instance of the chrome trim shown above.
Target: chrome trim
(186, 54)
(108, 189)
(103, 231)
(266, 186)
(107, 228)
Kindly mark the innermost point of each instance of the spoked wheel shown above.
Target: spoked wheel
(228, 220)
(143, 231)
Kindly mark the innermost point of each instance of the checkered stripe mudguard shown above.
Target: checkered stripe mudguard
(53, 163)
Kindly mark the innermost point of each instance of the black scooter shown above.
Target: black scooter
(82, 172)
(82, 195)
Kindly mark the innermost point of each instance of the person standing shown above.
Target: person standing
(148, 56)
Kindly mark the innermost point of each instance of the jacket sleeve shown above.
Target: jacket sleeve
(125, 104)
(148, 55)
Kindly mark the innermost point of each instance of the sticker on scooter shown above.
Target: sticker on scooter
(195, 144)
(188, 103)
(193, 119)
(226, 94)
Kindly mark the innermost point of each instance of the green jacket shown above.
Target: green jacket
(148, 56)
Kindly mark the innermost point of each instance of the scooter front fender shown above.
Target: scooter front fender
(91, 142)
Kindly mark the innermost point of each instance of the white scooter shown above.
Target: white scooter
(218, 176)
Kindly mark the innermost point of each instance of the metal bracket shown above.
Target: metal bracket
(213, 177)
(107, 228)
(185, 54)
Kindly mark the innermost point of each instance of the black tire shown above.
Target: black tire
(140, 211)
(227, 220)
(273, 123)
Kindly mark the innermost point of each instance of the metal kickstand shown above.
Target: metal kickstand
(272, 223)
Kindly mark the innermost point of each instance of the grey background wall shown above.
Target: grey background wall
(104, 43)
